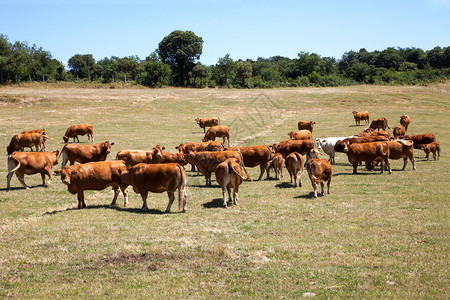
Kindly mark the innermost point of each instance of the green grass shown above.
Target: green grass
(375, 236)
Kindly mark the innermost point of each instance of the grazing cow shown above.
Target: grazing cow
(300, 135)
(419, 139)
(289, 146)
(207, 122)
(399, 131)
(85, 153)
(21, 140)
(217, 131)
(157, 178)
(75, 130)
(168, 157)
(327, 145)
(361, 115)
(229, 175)
(202, 146)
(431, 147)
(371, 132)
(405, 120)
(379, 123)
(276, 163)
(367, 152)
(207, 161)
(339, 146)
(134, 157)
(94, 176)
(28, 163)
(319, 170)
(43, 132)
(294, 164)
(254, 156)
(306, 125)
(399, 149)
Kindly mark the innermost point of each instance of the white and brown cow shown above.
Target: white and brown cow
(85, 153)
(81, 129)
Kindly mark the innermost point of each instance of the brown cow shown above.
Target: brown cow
(85, 153)
(371, 132)
(300, 135)
(367, 152)
(157, 178)
(207, 122)
(94, 176)
(276, 163)
(254, 156)
(399, 149)
(339, 146)
(217, 131)
(168, 157)
(361, 115)
(202, 146)
(229, 175)
(28, 163)
(134, 157)
(405, 120)
(294, 164)
(379, 123)
(82, 129)
(319, 170)
(289, 146)
(21, 140)
(399, 131)
(43, 132)
(431, 147)
(419, 139)
(306, 125)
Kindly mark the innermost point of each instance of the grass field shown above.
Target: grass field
(375, 236)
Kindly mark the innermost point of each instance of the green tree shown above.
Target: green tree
(243, 73)
(156, 73)
(82, 65)
(225, 68)
(202, 73)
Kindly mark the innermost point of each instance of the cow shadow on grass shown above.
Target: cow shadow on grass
(305, 196)
(204, 186)
(214, 203)
(134, 210)
(16, 188)
(284, 185)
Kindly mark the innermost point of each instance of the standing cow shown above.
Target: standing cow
(319, 170)
(399, 131)
(405, 120)
(276, 163)
(134, 157)
(29, 140)
(207, 122)
(361, 116)
(217, 131)
(306, 125)
(85, 153)
(229, 175)
(294, 164)
(254, 156)
(82, 129)
(367, 152)
(379, 123)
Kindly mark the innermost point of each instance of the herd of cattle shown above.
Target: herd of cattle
(158, 171)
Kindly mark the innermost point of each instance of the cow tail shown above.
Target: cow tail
(236, 171)
(245, 169)
(62, 150)
(182, 189)
(18, 163)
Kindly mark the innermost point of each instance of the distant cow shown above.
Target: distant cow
(405, 120)
(82, 129)
(94, 176)
(306, 125)
(157, 178)
(379, 123)
(202, 146)
(207, 122)
(294, 164)
(85, 153)
(361, 116)
(276, 163)
(431, 147)
(217, 132)
(327, 145)
(419, 139)
(254, 156)
(319, 170)
(289, 146)
(134, 157)
(28, 163)
(300, 135)
(21, 140)
(367, 152)
(399, 131)
(229, 175)
(41, 131)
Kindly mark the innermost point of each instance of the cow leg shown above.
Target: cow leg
(405, 162)
(78, 140)
(386, 160)
(48, 171)
(22, 181)
(116, 194)
(125, 197)
(290, 174)
(262, 168)
(322, 185)
(434, 155)
(171, 199)
(426, 156)
(328, 186)
(314, 184)
(300, 178)
(295, 178)
(144, 195)
(268, 171)
(235, 193)
(413, 161)
(8, 180)
(355, 166)
(81, 203)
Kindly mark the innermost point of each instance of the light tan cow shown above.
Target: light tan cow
(294, 164)
(229, 175)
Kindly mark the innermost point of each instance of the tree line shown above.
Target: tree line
(176, 63)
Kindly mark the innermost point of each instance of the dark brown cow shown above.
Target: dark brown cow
(432, 147)
(217, 131)
(168, 157)
(157, 178)
(134, 157)
(294, 164)
(300, 135)
(229, 175)
(94, 176)
(379, 123)
(367, 152)
(339, 146)
(399, 149)
(85, 153)
(21, 140)
(361, 115)
(254, 156)
(276, 163)
(207, 122)
(399, 131)
(28, 163)
(306, 125)
(289, 146)
(319, 170)
(419, 139)
(43, 132)
(405, 120)
(82, 129)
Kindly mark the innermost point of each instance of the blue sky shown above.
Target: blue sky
(244, 29)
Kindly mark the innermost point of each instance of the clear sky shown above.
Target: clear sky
(244, 29)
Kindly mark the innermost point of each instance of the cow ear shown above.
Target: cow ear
(56, 152)
(120, 172)
(163, 148)
(112, 144)
(57, 171)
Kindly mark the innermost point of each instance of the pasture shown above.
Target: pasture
(376, 235)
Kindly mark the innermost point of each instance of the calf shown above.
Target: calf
(134, 157)
(207, 122)
(289, 146)
(399, 131)
(156, 178)
(75, 130)
(419, 139)
(361, 115)
(306, 125)
(217, 131)
(367, 152)
(319, 170)
(405, 120)
(229, 175)
(94, 176)
(327, 145)
(21, 140)
(254, 156)
(276, 163)
(431, 147)
(85, 153)
(300, 135)
(28, 163)
(379, 123)
(294, 164)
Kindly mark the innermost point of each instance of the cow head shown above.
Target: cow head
(345, 145)
(354, 112)
(66, 175)
(56, 154)
(107, 147)
(291, 134)
(157, 152)
(66, 139)
(10, 149)
(368, 130)
(319, 143)
(197, 120)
